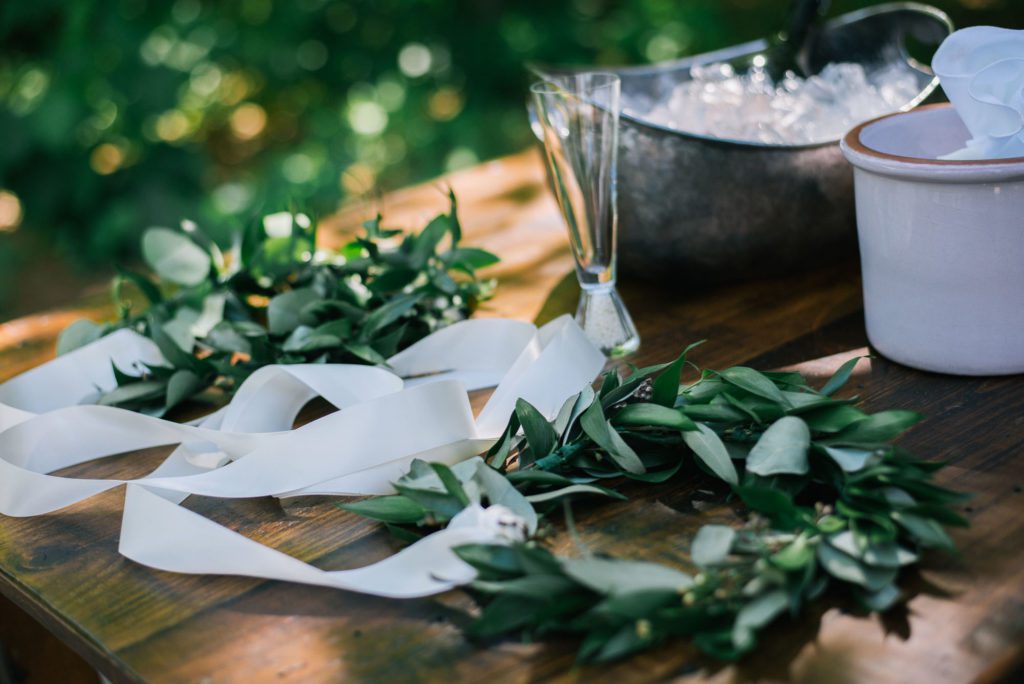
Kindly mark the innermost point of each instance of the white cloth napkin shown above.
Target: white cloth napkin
(982, 72)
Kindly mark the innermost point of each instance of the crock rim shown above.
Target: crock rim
(852, 142)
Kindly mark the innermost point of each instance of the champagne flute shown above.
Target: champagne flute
(577, 119)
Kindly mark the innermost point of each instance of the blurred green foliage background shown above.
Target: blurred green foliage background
(120, 114)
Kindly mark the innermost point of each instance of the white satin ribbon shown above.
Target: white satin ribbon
(248, 449)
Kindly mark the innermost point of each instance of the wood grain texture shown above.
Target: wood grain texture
(965, 614)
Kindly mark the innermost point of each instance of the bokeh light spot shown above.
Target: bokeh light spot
(205, 79)
(106, 159)
(234, 87)
(248, 121)
(661, 47)
(414, 60)
(232, 198)
(445, 104)
(391, 94)
(32, 85)
(10, 211)
(299, 168)
(367, 118)
(172, 125)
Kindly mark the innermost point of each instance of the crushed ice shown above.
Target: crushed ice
(750, 107)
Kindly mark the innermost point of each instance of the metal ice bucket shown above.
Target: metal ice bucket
(697, 208)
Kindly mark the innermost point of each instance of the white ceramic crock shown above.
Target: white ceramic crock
(941, 245)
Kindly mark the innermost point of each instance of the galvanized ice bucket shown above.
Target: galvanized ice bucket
(697, 208)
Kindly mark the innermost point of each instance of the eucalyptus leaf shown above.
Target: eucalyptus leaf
(712, 545)
(634, 605)
(470, 257)
(451, 483)
(882, 599)
(613, 577)
(708, 447)
(877, 428)
(714, 413)
(541, 587)
(771, 502)
(179, 328)
(604, 435)
(625, 641)
(570, 411)
(924, 531)
(78, 334)
(609, 382)
(135, 392)
(539, 434)
(804, 402)
(498, 454)
(182, 385)
(847, 568)
(426, 242)
(756, 614)
(171, 350)
(538, 478)
(841, 376)
(652, 415)
(364, 352)
(885, 554)
(285, 311)
(782, 449)
(175, 257)
(389, 313)
(225, 337)
(849, 459)
(210, 315)
(507, 612)
(501, 492)
(795, 555)
(305, 338)
(441, 504)
(666, 385)
(399, 510)
(656, 476)
(833, 418)
(754, 382)
(494, 561)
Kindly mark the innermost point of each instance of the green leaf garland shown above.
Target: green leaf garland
(831, 501)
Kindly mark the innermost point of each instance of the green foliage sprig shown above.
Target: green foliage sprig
(275, 298)
(831, 501)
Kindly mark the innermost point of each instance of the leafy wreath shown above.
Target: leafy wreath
(831, 500)
(277, 297)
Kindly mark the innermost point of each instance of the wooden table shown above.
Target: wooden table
(964, 619)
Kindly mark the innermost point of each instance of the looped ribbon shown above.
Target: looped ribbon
(981, 70)
(249, 449)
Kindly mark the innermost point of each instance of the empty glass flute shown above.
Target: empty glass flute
(577, 119)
